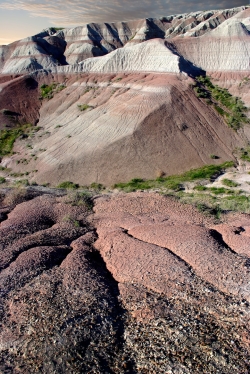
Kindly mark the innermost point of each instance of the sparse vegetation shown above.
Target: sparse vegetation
(220, 190)
(17, 175)
(230, 107)
(2, 180)
(239, 203)
(22, 183)
(2, 168)
(83, 107)
(48, 91)
(56, 29)
(72, 220)
(15, 196)
(68, 185)
(175, 182)
(229, 183)
(200, 188)
(96, 186)
(245, 154)
(8, 138)
(77, 198)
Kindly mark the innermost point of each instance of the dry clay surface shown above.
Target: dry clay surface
(143, 284)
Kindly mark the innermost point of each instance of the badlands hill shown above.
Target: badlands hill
(116, 101)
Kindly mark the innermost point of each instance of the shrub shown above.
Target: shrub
(245, 154)
(77, 198)
(200, 188)
(68, 185)
(175, 182)
(219, 190)
(173, 185)
(204, 208)
(97, 186)
(47, 91)
(229, 183)
(15, 196)
(234, 112)
(83, 107)
(236, 203)
(2, 180)
(219, 110)
(8, 138)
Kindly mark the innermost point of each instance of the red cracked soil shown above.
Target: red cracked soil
(144, 284)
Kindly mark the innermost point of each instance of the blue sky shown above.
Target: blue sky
(19, 19)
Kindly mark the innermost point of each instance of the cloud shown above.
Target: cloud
(78, 12)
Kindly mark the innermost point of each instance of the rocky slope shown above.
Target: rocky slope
(142, 285)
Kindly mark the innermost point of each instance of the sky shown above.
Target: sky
(19, 19)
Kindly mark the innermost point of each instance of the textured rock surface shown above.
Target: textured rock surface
(117, 290)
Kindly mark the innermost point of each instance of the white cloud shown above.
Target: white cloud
(77, 12)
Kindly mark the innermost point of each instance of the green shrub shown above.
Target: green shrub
(245, 154)
(200, 188)
(173, 185)
(68, 185)
(175, 182)
(209, 210)
(22, 183)
(55, 29)
(47, 91)
(236, 203)
(229, 183)
(8, 138)
(220, 190)
(77, 198)
(234, 112)
(83, 107)
(134, 185)
(220, 110)
(2, 180)
(97, 186)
